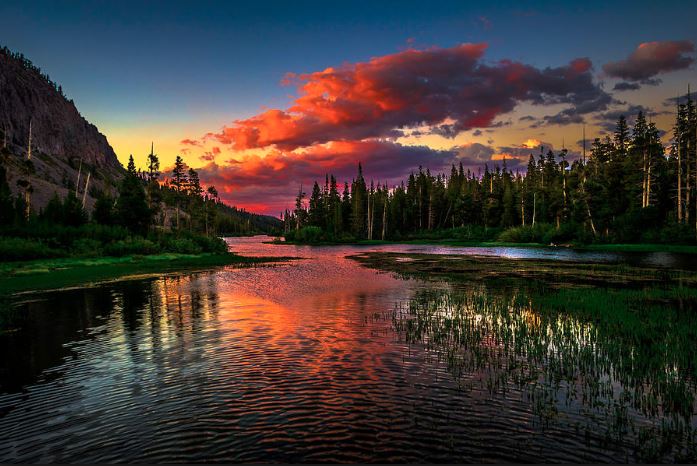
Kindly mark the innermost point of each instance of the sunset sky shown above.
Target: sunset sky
(265, 96)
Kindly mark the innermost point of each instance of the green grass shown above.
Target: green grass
(66, 272)
(613, 343)
(621, 358)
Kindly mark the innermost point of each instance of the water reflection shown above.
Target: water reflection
(324, 360)
(612, 386)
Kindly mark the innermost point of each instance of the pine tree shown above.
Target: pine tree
(178, 182)
(131, 209)
(153, 165)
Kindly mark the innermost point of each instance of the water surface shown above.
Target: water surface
(313, 360)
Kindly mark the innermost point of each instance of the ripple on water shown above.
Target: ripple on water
(296, 362)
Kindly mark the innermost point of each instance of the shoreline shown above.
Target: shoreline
(547, 273)
(52, 274)
(599, 247)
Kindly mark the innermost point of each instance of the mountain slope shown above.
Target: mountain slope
(66, 148)
(63, 143)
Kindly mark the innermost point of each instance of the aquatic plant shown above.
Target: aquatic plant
(618, 365)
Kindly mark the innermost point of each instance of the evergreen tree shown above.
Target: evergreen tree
(131, 208)
(104, 212)
(7, 210)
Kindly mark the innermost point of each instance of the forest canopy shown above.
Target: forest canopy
(626, 187)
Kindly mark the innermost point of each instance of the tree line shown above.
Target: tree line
(28, 65)
(625, 187)
(142, 202)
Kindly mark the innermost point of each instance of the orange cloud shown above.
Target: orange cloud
(385, 95)
(267, 183)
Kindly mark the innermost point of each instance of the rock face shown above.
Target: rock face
(63, 143)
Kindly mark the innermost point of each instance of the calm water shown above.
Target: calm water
(315, 360)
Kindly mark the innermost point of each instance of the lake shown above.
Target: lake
(322, 359)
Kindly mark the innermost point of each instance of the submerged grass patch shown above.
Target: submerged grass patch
(607, 350)
(547, 273)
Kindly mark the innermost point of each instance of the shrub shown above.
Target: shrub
(309, 235)
(215, 245)
(183, 246)
(677, 233)
(86, 247)
(131, 246)
(16, 249)
(538, 233)
(565, 233)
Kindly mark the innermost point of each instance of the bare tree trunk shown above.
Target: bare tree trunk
(371, 215)
(447, 214)
(79, 173)
(588, 207)
(87, 185)
(643, 181)
(590, 218)
(534, 207)
(688, 187)
(27, 202)
(29, 144)
(384, 219)
(563, 177)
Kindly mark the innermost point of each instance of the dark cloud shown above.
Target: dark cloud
(608, 120)
(673, 102)
(589, 143)
(409, 89)
(625, 86)
(652, 58)
(563, 118)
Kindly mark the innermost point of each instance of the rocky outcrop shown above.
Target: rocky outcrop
(36, 117)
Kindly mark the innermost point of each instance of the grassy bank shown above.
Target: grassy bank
(65, 272)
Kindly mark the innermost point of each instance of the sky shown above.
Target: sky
(262, 97)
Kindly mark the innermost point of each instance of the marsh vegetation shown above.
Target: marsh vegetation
(605, 350)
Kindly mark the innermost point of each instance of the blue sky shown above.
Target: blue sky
(166, 71)
(155, 59)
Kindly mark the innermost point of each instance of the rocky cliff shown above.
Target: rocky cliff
(45, 142)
